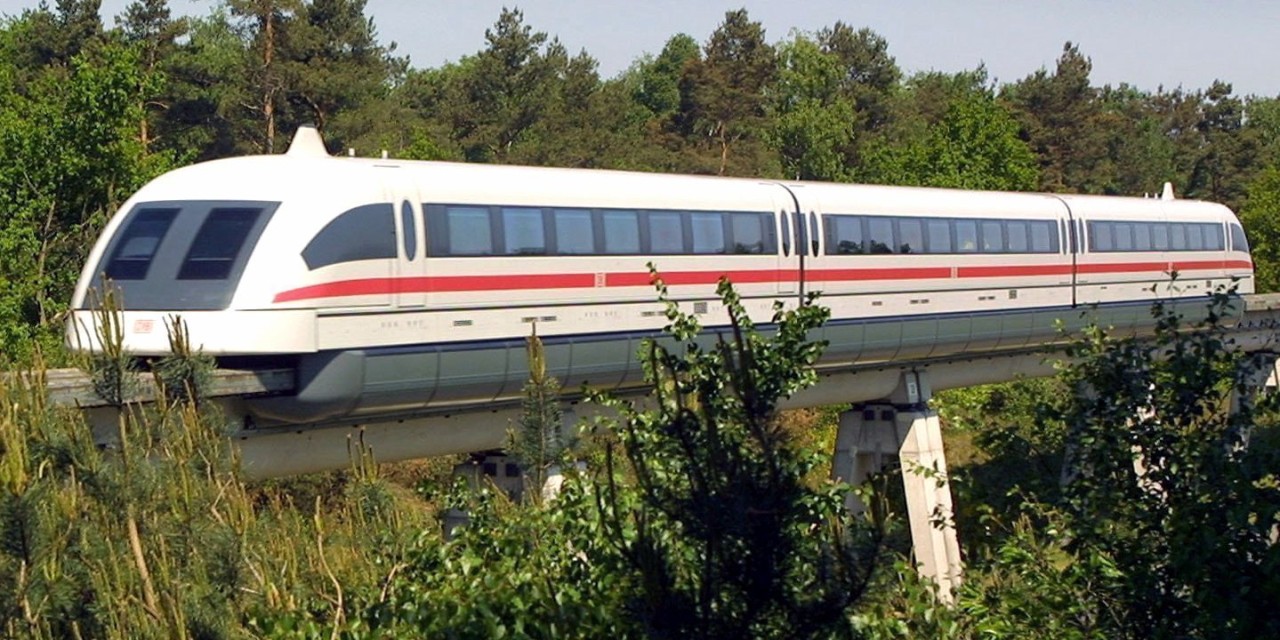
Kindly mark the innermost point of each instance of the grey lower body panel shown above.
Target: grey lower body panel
(339, 385)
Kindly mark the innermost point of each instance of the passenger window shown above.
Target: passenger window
(470, 231)
(1142, 236)
(665, 233)
(967, 236)
(1213, 240)
(410, 230)
(846, 234)
(910, 235)
(1100, 236)
(137, 245)
(574, 232)
(939, 236)
(748, 232)
(217, 244)
(522, 233)
(621, 232)
(1178, 239)
(784, 219)
(1018, 236)
(1160, 236)
(1195, 237)
(366, 232)
(1123, 236)
(880, 235)
(992, 236)
(1042, 237)
(708, 232)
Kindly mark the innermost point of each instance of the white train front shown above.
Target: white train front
(400, 285)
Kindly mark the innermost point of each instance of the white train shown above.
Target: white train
(401, 285)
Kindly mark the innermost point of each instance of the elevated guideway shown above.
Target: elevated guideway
(292, 449)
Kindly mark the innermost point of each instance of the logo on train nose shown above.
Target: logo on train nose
(143, 326)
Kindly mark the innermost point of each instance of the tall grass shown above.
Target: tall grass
(156, 534)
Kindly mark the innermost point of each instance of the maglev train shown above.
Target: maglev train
(407, 286)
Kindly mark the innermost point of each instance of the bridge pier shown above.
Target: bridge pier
(903, 425)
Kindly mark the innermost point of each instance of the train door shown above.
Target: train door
(789, 226)
(1073, 244)
(410, 277)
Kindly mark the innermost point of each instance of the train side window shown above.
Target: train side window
(470, 231)
(367, 232)
(880, 235)
(522, 232)
(1101, 237)
(1160, 236)
(574, 232)
(1213, 239)
(844, 235)
(784, 221)
(1042, 235)
(1178, 236)
(217, 244)
(707, 232)
(621, 232)
(910, 235)
(410, 230)
(815, 232)
(1142, 236)
(992, 236)
(1238, 240)
(137, 245)
(1195, 237)
(1017, 230)
(967, 236)
(666, 233)
(1123, 236)
(748, 232)
(939, 236)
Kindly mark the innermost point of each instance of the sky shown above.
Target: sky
(1145, 43)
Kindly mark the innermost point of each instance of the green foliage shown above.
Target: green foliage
(813, 121)
(71, 159)
(1164, 486)
(1261, 219)
(112, 369)
(725, 121)
(512, 571)
(726, 538)
(1005, 445)
(1060, 117)
(183, 375)
(974, 146)
(539, 442)
(658, 81)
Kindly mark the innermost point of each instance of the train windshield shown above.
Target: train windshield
(182, 255)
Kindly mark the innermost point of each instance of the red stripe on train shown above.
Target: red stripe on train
(525, 282)
(1019, 270)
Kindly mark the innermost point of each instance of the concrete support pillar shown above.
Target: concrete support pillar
(1262, 379)
(870, 436)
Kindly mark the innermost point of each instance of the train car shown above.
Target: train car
(405, 286)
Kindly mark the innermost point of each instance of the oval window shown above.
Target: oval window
(410, 232)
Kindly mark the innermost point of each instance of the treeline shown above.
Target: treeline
(89, 112)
